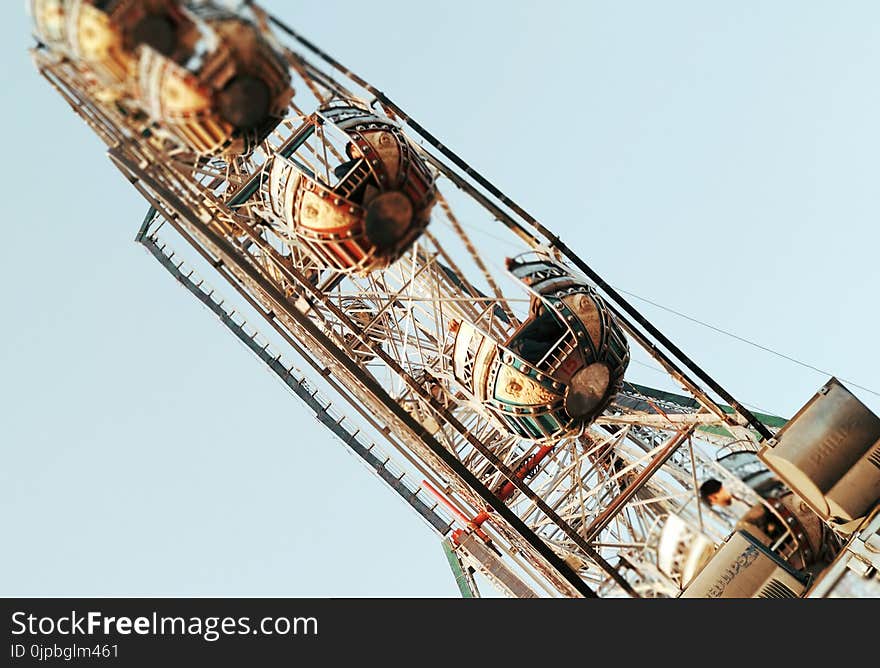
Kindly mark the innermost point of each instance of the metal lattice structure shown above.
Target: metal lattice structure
(586, 511)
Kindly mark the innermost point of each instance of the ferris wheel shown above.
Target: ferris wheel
(487, 388)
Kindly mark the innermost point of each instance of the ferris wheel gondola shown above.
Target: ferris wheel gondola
(104, 36)
(227, 98)
(367, 211)
(559, 369)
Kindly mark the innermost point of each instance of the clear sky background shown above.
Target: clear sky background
(718, 158)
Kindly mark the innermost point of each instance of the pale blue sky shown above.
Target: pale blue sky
(719, 158)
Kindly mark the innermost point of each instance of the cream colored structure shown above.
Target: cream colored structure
(743, 568)
(829, 455)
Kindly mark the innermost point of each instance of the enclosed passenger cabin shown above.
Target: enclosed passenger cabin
(102, 36)
(781, 521)
(225, 100)
(561, 367)
(366, 210)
